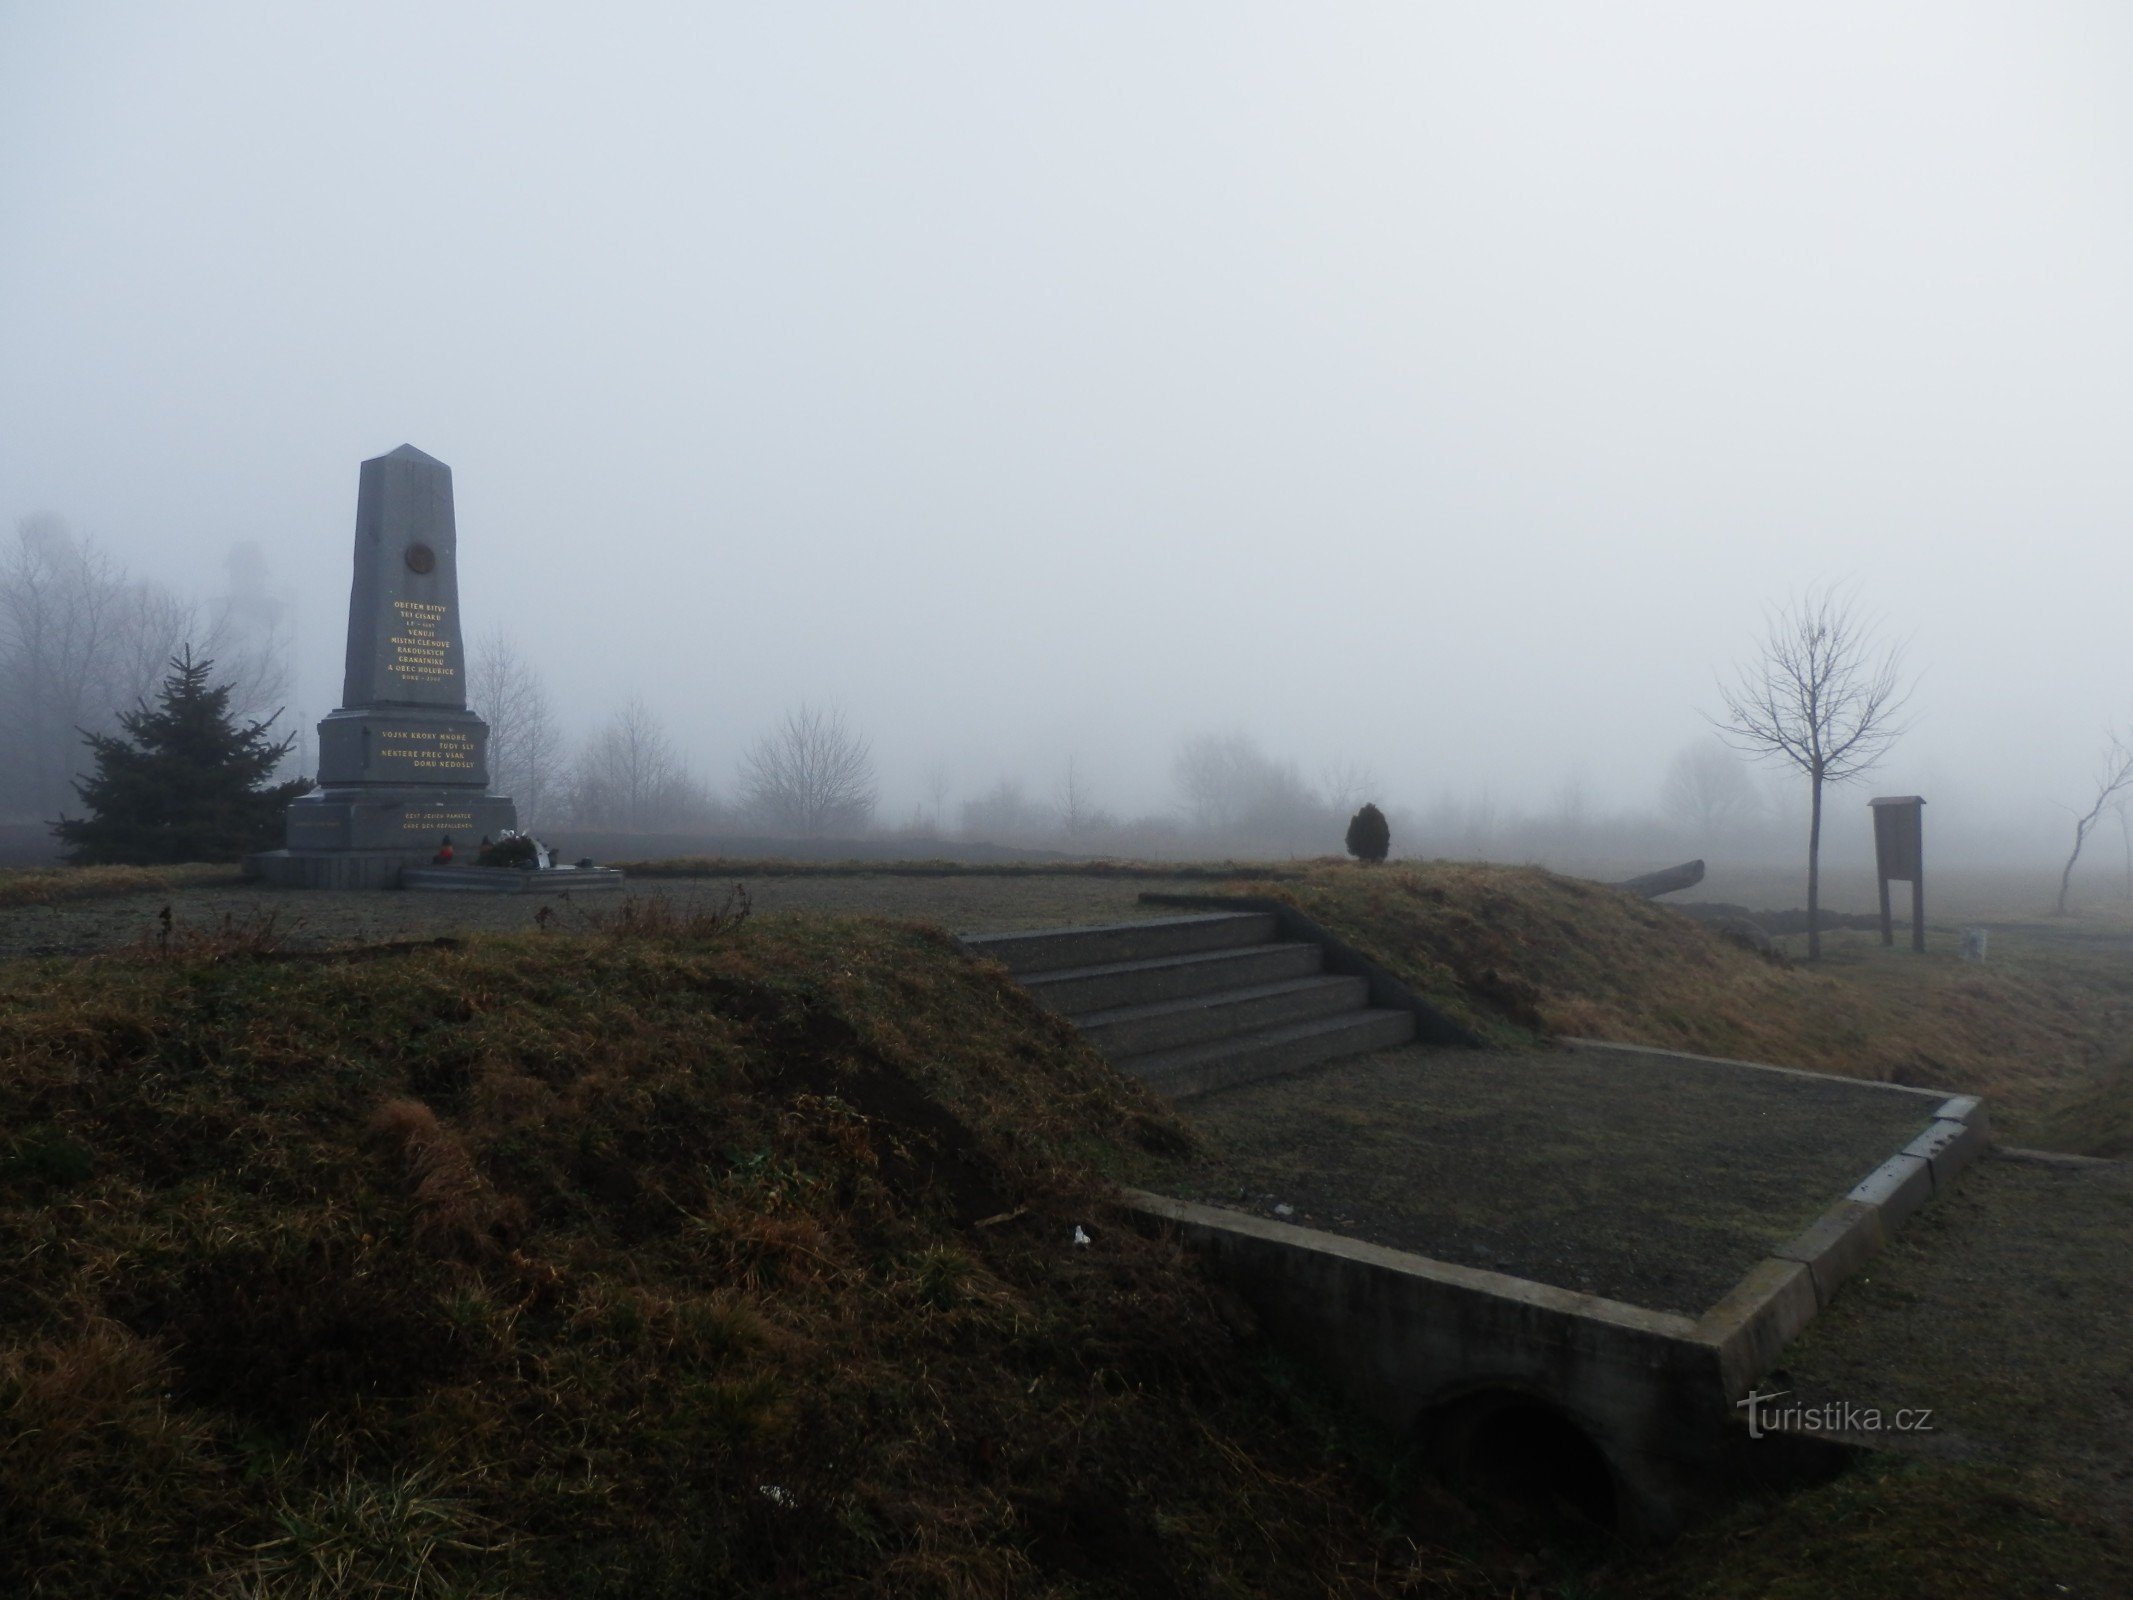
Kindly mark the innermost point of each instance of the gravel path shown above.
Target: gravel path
(1651, 1181)
(317, 917)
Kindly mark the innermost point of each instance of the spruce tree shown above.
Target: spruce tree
(1369, 835)
(181, 782)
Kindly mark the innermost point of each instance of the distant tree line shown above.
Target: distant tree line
(811, 774)
(808, 776)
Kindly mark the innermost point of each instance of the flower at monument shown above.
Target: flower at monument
(181, 781)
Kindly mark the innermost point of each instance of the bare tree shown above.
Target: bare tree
(2124, 813)
(1215, 775)
(938, 784)
(1823, 696)
(1076, 803)
(55, 625)
(248, 632)
(1239, 796)
(1345, 785)
(628, 775)
(2114, 772)
(1481, 821)
(810, 776)
(1001, 813)
(506, 691)
(1706, 789)
(1570, 812)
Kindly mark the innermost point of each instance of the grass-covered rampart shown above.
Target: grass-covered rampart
(671, 1258)
(1516, 952)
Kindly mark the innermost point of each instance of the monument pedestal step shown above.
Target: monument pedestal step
(391, 869)
(510, 880)
(330, 869)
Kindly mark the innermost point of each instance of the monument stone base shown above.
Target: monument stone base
(510, 880)
(331, 869)
(412, 822)
(393, 869)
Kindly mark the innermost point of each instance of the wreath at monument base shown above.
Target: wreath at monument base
(512, 850)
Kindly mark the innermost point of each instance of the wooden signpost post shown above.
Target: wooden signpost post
(1898, 853)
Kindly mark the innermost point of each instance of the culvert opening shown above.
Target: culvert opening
(1527, 1456)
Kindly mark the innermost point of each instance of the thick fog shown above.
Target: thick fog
(1435, 395)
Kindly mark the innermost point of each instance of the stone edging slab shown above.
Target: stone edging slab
(1612, 1047)
(509, 880)
(1539, 1298)
(1785, 1291)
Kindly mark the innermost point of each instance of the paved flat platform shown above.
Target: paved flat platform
(1655, 1181)
(316, 917)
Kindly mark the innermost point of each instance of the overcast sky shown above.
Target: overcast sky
(1445, 389)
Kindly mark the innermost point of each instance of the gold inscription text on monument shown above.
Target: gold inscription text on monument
(420, 651)
(435, 821)
(441, 750)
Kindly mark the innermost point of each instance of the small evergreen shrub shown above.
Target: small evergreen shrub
(1369, 835)
(181, 781)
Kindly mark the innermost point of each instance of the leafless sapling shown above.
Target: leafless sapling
(2113, 774)
(1823, 695)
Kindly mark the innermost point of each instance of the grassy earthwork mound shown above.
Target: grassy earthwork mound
(668, 1259)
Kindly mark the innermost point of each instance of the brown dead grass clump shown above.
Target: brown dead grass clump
(454, 1207)
(2095, 1120)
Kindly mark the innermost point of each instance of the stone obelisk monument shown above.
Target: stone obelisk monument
(403, 764)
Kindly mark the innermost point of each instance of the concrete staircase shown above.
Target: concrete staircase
(1195, 1004)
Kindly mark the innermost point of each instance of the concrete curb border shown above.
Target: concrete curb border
(1788, 1288)
(1537, 1298)
(1744, 1332)
(1407, 1335)
(1616, 1047)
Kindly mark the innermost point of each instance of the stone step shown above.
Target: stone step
(1204, 1068)
(1051, 949)
(1173, 1024)
(1080, 990)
